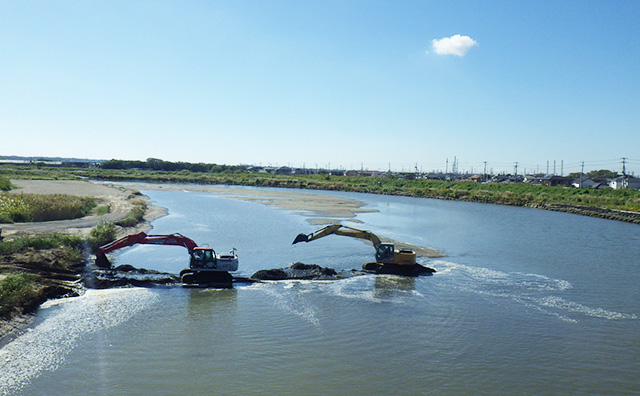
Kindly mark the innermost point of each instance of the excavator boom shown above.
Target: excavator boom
(205, 266)
(338, 229)
(386, 254)
(142, 238)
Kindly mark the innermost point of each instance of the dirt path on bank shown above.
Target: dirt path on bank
(117, 198)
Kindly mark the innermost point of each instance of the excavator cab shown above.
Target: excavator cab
(384, 253)
(203, 258)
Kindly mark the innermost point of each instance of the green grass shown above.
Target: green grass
(17, 290)
(23, 291)
(17, 208)
(49, 241)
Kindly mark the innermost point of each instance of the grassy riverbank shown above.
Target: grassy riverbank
(36, 268)
(587, 200)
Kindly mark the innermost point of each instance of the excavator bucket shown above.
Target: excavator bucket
(301, 238)
(102, 261)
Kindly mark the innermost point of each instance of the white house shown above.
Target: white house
(625, 182)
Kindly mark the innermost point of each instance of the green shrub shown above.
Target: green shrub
(135, 215)
(13, 208)
(102, 210)
(103, 233)
(5, 184)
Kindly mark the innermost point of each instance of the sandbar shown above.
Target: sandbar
(320, 209)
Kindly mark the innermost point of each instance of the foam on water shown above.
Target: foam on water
(534, 291)
(289, 300)
(562, 304)
(29, 355)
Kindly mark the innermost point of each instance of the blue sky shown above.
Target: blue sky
(325, 83)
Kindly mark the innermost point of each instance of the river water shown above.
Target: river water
(526, 302)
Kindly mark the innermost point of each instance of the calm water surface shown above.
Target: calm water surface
(526, 302)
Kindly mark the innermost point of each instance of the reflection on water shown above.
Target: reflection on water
(387, 286)
(205, 304)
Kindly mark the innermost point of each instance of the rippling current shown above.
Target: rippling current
(526, 302)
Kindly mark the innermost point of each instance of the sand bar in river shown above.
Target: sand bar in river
(320, 209)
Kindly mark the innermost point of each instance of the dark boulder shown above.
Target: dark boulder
(298, 271)
(398, 269)
(270, 274)
(313, 269)
(127, 275)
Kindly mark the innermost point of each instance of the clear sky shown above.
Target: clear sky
(351, 84)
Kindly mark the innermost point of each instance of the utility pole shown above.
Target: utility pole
(485, 171)
(516, 169)
(624, 167)
(582, 174)
(561, 167)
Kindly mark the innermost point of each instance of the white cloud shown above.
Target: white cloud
(454, 45)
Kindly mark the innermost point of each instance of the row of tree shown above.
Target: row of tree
(161, 165)
(601, 174)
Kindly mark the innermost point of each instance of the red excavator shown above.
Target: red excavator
(206, 268)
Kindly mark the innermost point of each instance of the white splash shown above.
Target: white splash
(23, 359)
(534, 291)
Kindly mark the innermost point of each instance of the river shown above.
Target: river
(526, 302)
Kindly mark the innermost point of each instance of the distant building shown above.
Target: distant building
(533, 179)
(625, 182)
(557, 181)
(589, 182)
(284, 170)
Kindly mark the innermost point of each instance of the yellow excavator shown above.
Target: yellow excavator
(389, 260)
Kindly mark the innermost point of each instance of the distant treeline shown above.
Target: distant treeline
(161, 165)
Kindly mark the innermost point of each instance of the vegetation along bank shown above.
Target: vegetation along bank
(615, 204)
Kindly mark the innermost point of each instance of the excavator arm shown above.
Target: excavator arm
(142, 238)
(339, 229)
(385, 252)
